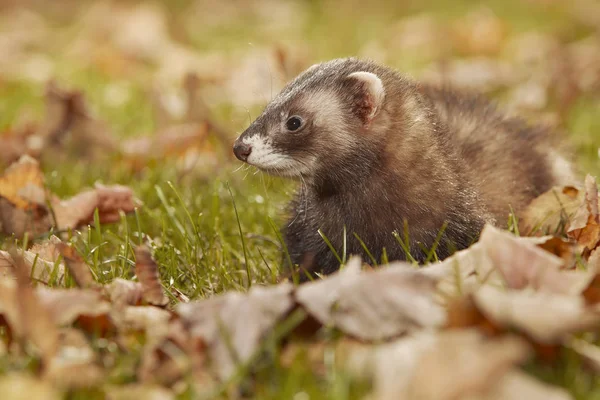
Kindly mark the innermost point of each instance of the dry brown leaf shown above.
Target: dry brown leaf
(138, 391)
(22, 386)
(558, 246)
(232, 325)
(123, 292)
(18, 222)
(551, 212)
(545, 317)
(22, 184)
(147, 273)
(460, 365)
(516, 385)
(375, 305)
(109, 200)
(585, 225)
(69, 306)
(523, 264)
(34, 319)
(74, 365)
(437, 366)
(169, 360)
(464, 272)
(79, 270)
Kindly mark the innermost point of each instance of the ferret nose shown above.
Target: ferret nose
(242, 150)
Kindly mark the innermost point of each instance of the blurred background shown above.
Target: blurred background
(539, 57)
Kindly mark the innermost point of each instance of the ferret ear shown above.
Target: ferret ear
(369, 95)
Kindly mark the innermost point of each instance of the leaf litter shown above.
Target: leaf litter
(414, 332)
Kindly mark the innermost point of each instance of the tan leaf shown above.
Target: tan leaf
(18, 222)
(516, 385)
(545, 317)
(77, 267)
(437, 366)
(74, 365)
(147, 273)
(23, 178)
(375, 305)
(523, 264)
(68, 306)
(138, 391)
(123, 292)
(232, 325)
(40, 262)
(551, 212)
(35, 321)
(21, 386)
(585, 225)
(109, 200)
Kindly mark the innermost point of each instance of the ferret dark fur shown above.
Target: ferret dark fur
(377, 150)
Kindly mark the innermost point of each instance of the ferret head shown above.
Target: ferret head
(326, 114)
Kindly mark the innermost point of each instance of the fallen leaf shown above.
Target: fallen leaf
(516, 385)
(22, 184)
(123, 292)
(77, 267)
(22, 386)
(147, 273)
(232, 325)
(74, 366)
(585, 225)
(437, 366)
(109, 200)
(375, 305)
(523, 263)
(35, 323)
(550, 212)
(138, 391)
(545, 317)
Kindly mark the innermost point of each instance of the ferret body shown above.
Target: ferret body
(376, 152)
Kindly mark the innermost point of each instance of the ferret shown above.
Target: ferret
(384, 159)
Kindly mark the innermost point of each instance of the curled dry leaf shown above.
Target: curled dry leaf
(77, 267)
(551, 212)
(123, 292)
(23, 201)
(147, 273)
(22, 182)
(35, 322)
(109, 200)
(69, 306)
(523, 263)
(41, 262)
(232, 325)
(545, 317)
(585, 225)
(375, 305)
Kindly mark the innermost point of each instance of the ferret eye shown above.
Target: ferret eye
(293, 123)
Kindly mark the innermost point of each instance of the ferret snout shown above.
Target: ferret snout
(241, 150)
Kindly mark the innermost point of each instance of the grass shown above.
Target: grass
(216, 232)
